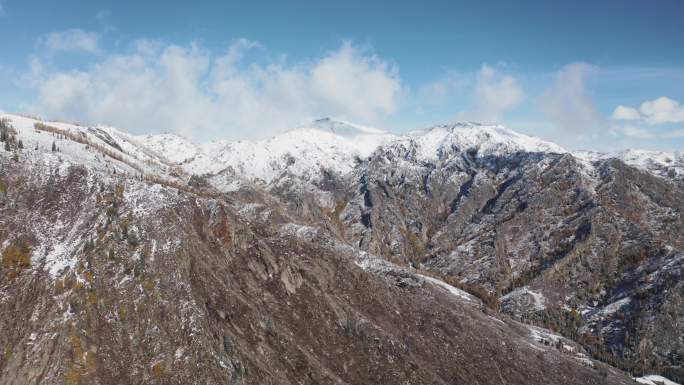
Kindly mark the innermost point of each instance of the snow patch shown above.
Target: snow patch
(615, 306)
(300, 231)
(538, 299)
(452, 290)
(653, 379)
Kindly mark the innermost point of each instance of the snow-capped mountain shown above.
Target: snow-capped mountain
(662, 163)
(333, 145)
(324, 145)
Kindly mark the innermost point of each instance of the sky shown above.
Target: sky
(597, 75)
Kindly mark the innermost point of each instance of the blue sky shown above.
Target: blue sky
(588, 74)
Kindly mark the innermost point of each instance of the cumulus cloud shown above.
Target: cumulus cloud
(568, 103)
(495, 93)
(625, 113)
(342, 77)
(185, 89)
(662, 110)
(658, 111)
(71, 40)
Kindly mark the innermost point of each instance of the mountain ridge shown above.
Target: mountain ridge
(352, 140)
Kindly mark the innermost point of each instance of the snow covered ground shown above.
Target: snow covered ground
(538, 300)
(654, 380)
(99, 148)
(657, 162)
(451, 289)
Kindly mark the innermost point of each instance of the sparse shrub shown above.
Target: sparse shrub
(73, 376)
(149, 284)
(158, 370)
(3, 130)
(489, 299)
(7, 353)
(351, 324)
(89, 276)
(112, 212)
(16, 258)
(121, 312)
(119, 191)
(92, 298)
(59, 286)
(6, 133)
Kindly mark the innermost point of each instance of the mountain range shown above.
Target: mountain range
(336, 253)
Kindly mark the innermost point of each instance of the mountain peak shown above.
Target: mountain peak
(492, 139)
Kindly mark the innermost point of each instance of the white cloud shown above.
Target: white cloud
(636, 132)
(567, 102)
(662, 110)
(625, 113)
(70, 40)
(495, 93)
(657, 111)
(184, 89)
(354, 84)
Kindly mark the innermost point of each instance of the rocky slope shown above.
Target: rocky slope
(321, 256)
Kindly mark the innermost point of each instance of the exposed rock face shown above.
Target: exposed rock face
(120, 266)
